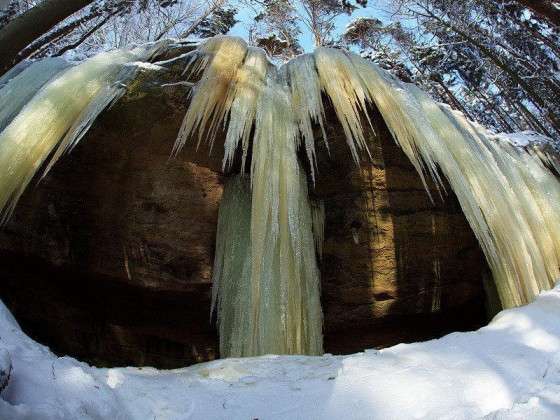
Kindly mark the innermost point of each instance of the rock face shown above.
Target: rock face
(109, 258)
(397, 266)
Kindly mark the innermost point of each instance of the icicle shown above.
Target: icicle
(103, 99)
(531, 194)
(385, 92)
(285, 278)
(267, 293)
(342, 84)
(218, 60)
(509, 211)
(280, 308)
(249, 84)
(278, 311)
(551, 160)
(301, 76)
(231, 276)
(21, 87)
(57, 116)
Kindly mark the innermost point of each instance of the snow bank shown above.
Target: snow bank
(507, 370)
(527, 139)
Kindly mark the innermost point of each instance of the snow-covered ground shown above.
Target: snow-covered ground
(507, 370)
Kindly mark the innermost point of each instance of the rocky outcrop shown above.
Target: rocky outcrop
(397, 266)
(109, 257)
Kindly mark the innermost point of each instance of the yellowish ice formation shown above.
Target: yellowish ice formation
(231, 276)
(276, 300)
(266, 279)
(508, 194)
(305, 89)
(340, 81)
(248, 85)
(217, 63)
(21, 88)
(57, 116)
(279, 311)
(284, 275)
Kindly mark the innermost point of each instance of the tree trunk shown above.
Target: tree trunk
(36, 47)
(22, 30)
(85, 36)
(189, 31)
(454, 101)
(545, 40)
(545, 9)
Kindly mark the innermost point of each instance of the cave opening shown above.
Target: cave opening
(109, 258)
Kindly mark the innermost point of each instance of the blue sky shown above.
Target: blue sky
(375, 8)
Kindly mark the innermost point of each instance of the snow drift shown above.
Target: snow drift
(509, 369)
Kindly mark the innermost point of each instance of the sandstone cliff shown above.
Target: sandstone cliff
(109, 257)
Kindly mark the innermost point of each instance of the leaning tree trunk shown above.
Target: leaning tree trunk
(22, 30)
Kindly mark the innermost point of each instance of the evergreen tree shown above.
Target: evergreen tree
(219, 22)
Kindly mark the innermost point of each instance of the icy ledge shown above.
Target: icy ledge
(509, 369)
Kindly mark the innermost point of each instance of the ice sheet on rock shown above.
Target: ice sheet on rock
(58, 115)
(19, 89)
(217, 63)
